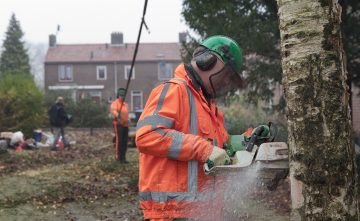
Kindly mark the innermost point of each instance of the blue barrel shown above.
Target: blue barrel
(37, 135)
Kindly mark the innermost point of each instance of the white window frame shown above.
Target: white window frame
(127, 72)
(65, 70)
(136, 93)
(169, 67)
(98, 68)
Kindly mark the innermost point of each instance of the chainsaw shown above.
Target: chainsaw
(257, 150)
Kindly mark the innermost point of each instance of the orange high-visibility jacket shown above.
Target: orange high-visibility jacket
(120, 118)
(175, 136)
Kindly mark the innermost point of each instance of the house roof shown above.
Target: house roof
(111, 53)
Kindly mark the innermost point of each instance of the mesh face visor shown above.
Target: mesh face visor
(225, 81)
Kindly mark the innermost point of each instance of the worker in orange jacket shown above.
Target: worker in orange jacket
(120, 113)
(180, 129)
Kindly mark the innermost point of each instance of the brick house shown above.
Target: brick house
(97, 70)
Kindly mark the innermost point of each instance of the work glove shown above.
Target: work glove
(218, 157)
(265, 134)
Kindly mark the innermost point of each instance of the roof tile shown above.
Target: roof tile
(111, 53)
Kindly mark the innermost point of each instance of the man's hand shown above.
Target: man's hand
(218, 157)
(265, 133)
(116, 116)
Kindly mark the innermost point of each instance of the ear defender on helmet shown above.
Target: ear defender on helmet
(227, 48)
(205, 60)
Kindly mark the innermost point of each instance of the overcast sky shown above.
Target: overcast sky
(92, 21)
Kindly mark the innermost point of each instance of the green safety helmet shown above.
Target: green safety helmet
(121, 92)
(227, 49)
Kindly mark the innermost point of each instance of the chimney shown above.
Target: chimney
(117, 38)
(182, 37)
(52, 40)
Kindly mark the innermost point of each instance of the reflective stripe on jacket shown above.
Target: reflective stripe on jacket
(175, 136)
(119, 118)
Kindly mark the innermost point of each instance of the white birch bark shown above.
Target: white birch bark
(322, 161)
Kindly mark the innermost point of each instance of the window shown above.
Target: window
(101, 72)
(65, 73)
(165, 71)
(127, 72)
(136, 100)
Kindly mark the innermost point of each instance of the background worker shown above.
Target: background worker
(181, 128)
(58, 120)
(121, 125)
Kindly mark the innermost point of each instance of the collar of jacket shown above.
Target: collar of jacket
(181, 72)
(197, 82)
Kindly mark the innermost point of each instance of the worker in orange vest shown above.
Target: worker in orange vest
(180, 129)
(120, 113)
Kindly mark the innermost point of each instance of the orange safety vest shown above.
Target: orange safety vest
(120, 118)
(175, 136)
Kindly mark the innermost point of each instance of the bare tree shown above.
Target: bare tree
(37, 52)
(322, 161)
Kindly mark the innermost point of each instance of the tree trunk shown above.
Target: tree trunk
(322, 158)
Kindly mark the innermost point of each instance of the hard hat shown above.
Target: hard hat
(227, 49)
(121, 92)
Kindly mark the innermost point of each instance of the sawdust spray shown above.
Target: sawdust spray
(238, 194)
(232, 193)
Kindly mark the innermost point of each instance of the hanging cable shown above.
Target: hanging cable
(135, 53)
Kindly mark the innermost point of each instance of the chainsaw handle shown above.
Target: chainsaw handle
(253, 138)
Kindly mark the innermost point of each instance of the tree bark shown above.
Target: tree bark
(322, 158)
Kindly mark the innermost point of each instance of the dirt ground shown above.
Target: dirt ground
(86, 183)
